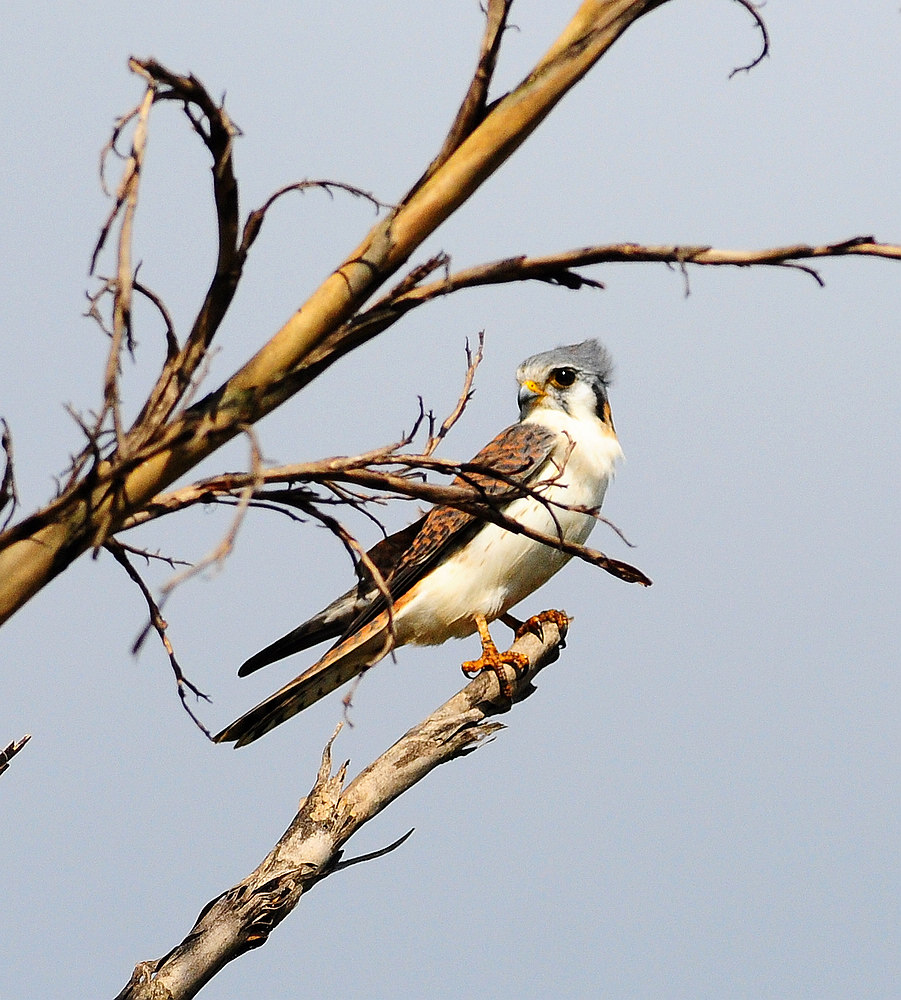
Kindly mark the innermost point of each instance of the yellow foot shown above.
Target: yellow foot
(535, 625)
(492, 659)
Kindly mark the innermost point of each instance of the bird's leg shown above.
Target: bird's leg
(535, 624)
(492, 659)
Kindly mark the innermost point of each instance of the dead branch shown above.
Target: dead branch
(485, 503)
(163, 444)
(10, 750)
(255, 220)
(558, 269)
(472, 364)
(760, 24)
(472, 109)
(160, 626)
(111, 485)
(125, 205)
(171, 337)
(212, 124)
(8, 495)
(244, 916)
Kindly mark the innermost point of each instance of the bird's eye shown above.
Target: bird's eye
(563, 377)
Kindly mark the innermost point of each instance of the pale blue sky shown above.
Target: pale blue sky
(702, 799)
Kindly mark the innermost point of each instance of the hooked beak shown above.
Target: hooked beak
(529, 393)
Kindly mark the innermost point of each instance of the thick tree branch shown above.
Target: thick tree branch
(111, 486)
(472, 109)
(217, 132)
(161, 447)
(243, 917)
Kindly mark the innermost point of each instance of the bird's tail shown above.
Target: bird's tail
(311, 633)
(339, 665)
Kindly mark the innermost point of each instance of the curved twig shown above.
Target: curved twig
(255, 220)
(764, 34)
(160, 626)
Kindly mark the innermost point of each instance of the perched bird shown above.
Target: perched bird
(449, 573)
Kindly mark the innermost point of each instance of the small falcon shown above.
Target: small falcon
(449, 573)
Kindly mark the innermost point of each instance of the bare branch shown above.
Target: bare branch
(558, 269)
(160, 626)
(472, 363)
(8, 495)
(217, 131)
(222, 551)
(374, 855)
(149, 556)
(243, 917)
(472, 109)
(125, 204)
(255, 219)
(171, 338)
(11, 749)
(764, 37)
(130, 174)
(111, 147)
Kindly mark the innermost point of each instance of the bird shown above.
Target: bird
(451, 573)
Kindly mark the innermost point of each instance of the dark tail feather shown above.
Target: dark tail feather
(311, 633)
(337, 619)
(338, 666)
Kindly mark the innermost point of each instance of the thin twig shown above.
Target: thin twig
(375, 855)
(111, 148)
(472, 109)
(132, 165)
(160, 626)
(764, 34)
(149, 556)
(255, 220)
(218, 555)
(171, 338)
(472, 363)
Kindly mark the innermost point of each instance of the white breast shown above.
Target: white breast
(497, 569)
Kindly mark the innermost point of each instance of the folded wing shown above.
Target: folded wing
(360, 617)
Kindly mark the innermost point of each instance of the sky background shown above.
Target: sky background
(702, 799)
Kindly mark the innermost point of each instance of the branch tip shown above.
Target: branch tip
(12, 748)
(754, 10)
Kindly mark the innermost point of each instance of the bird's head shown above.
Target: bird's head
(572, 379)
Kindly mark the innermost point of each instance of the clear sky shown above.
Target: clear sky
(702, 798)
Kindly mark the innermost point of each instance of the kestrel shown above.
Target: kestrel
(450, 573)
